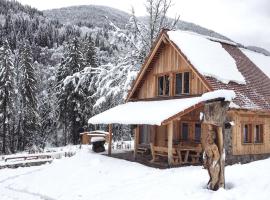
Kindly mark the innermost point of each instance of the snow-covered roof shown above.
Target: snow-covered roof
(260, 60)
(207, 56)
(154, 112)
(99, 131)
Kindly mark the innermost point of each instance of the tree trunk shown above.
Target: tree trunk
(214, 152)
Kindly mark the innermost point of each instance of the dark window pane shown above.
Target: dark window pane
(160, 85)
(247, 133)
(186, 82)
(197, 132)
(167, 85)
(184, 131)
(178, 84)
(258, 134)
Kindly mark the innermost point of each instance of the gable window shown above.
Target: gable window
(247, 133)
(182, 83)
(184, 131)
(163, 85)
(258, 133)
(197, 132)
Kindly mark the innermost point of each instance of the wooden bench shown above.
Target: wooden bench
(142, 150)
(158, 151)
(28, 157)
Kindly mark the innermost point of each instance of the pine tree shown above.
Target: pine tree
(6, 91)
(90, 53)
(69, 93)
(28, 90)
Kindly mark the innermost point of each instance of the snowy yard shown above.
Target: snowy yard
(92, 176)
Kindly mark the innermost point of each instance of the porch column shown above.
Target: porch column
(220, 143)
(110, 140)
(170, 143)
(136, 141)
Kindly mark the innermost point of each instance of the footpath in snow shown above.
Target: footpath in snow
(87, 176)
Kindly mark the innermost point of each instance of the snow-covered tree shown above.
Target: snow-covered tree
(28, 91)
(70, 96)
(156, 20)
(7, 92)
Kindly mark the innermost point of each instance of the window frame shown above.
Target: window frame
(183, 82)
(250, 133)
(261, 133)
(164, 85)
(181, 133)
(200, 140)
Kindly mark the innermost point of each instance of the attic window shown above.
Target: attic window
(182, 83)
(163, 85)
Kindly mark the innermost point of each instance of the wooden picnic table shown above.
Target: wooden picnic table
(193, 152)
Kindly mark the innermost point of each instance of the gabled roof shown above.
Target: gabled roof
(161, 40)
(220, 65)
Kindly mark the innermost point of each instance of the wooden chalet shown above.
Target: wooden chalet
(166, 102)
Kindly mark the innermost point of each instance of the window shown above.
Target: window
(258, 133)
(184, 135)
(163, 85)
(186, 83)
(247, 133)
(197, 132)
(178, 84)
(182, 81)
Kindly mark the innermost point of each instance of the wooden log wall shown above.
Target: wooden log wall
(168, 62)
(246, 117)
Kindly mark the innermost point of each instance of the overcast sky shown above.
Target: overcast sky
(245, 21)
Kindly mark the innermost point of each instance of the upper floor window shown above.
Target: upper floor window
(258, 133)
(247, 133)
(163, 85)
(182, 83)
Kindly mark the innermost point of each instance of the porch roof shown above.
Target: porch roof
(156, 112)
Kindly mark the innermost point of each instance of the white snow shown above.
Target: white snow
(260, 60)
(99, 131)
(207, 56)
(87, 176)
(154, 112)
(97, 139)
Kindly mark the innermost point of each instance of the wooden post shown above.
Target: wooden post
(110, 140)
(220, 141)
(170, 143)
(136, 141)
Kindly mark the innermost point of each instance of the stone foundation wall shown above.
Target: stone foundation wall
(232, 159)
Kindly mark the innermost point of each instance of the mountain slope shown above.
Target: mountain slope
(93, 16)
(90, 16)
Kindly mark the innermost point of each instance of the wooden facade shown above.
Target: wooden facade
(252, 119)
(166, 60)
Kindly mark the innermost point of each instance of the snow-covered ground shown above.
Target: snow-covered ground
(92, 176)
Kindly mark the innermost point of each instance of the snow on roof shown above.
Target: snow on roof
(207, 56)
(97, 139)
(154, 112)
(260, 60)
(99, 131)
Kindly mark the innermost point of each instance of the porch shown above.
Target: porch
(170, 131)
(179, 142)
